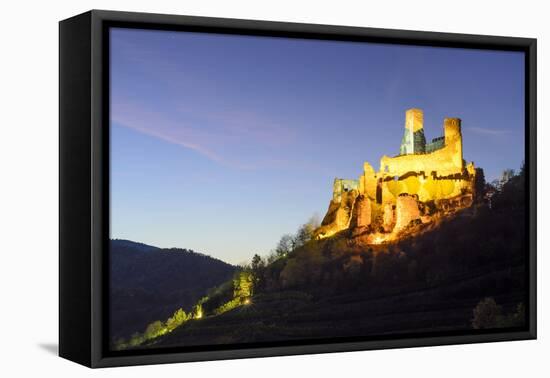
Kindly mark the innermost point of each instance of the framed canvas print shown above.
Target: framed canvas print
(233, 188)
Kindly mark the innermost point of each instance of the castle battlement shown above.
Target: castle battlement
(441, 157)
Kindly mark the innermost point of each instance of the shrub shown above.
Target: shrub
(176, 320)
(487, 314)
(154, 329)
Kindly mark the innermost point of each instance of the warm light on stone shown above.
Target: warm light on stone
(363, 212)
(406, 211)
(414, 119)
(422, 172)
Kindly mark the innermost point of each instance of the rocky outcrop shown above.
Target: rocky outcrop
(339, 215)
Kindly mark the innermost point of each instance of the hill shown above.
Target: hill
(327, 289)
(148, 283)
(462, 273)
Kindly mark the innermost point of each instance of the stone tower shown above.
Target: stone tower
(453, 139)
(414, 141)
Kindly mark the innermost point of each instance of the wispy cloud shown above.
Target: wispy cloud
(220, 137)
(487, 131)
(210, 122)
(140, 124)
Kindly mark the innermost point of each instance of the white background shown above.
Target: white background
(29, 187)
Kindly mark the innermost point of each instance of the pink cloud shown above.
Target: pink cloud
(215, 136)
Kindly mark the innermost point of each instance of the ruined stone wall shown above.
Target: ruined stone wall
(385, 202)
(406, 211)
(362, 212)
(436, 144)
(368, 182)
(444, 162)
(388, 220)
(339, 215)
(427, 188)
(343, 185)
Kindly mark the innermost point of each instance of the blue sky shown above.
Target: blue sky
(224, 143)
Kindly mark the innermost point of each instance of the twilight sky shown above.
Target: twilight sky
(222, 144)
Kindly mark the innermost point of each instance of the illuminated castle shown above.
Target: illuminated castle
(425, 178)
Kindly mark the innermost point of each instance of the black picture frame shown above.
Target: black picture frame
(84, 186)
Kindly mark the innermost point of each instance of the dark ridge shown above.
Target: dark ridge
(149, 283)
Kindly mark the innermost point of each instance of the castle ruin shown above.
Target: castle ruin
(425, 177)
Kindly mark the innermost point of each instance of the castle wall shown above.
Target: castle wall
(368, 182)
(427, 188)
(388, 219)
(444, 162)
(339, 214)
(435, 144)
(343, 185)
(406, 211)
(363, 209)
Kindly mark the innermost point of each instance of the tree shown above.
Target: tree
(257, 263)
(305, 232)
(518, 318)
(180, 316)
(136, 339)
(257, 267)
(506, 175)
(243, 284)
(511, 193)
(197, 311)
(176, 320)
(479, 185)
(154, 329)
(272, 257)
(487, 314)
(293, 273)
(522, 169)
(285, 245)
